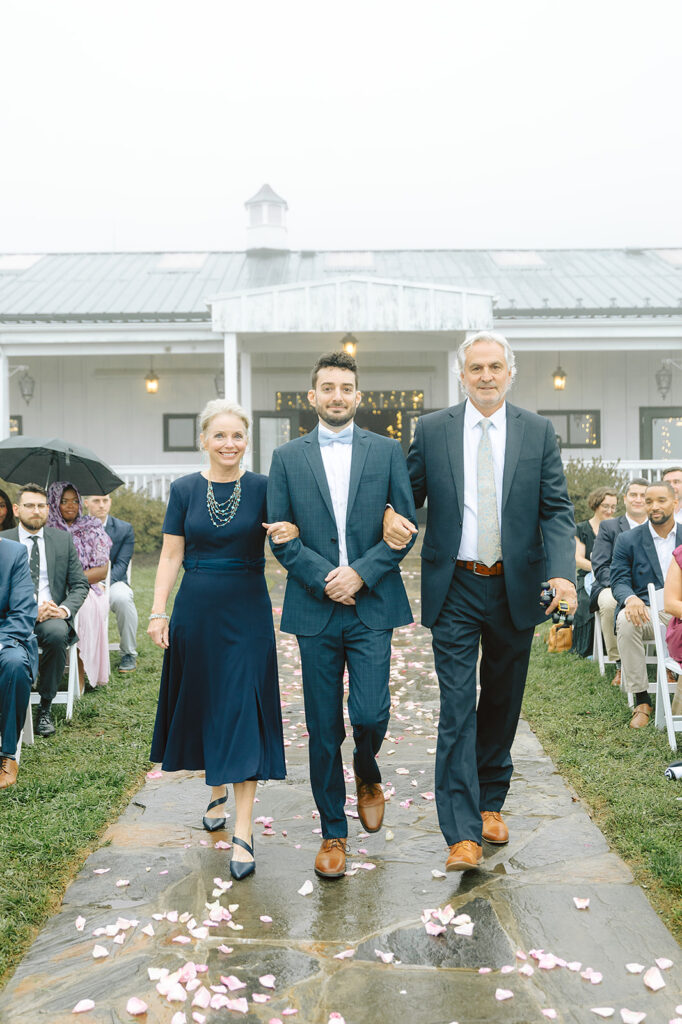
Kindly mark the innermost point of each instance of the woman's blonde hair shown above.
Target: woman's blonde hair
(221, 407)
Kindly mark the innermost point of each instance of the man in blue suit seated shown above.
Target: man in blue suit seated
(499, 523)
(121, 599)
(18, 651)
(642, 556)
(344, 593)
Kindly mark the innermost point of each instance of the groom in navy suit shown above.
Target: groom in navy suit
(344, 592)
(499, 523)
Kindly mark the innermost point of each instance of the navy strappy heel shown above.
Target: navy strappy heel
(215, 824)
(242, 869)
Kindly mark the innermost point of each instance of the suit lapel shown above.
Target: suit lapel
(311, 450)
(454, 439)
(512, 449)
(361, 443)
(650, 548)
(623, 524)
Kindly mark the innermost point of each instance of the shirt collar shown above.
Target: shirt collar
(323, 431)
(632, 522)
(23, 533)
(657, 536)
(472, 416)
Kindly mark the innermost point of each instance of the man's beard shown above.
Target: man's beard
(339, 419)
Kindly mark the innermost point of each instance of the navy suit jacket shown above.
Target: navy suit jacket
(122, 547)
(298, 492)
(537, 529)
(602, 553)
(68, 583)
(18, 607)
(635, 564)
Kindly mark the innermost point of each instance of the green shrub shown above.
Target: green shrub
(145, 514)
(583, 476)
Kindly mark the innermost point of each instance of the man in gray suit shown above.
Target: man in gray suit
(499, 523)
(60, 587)
(344, 592)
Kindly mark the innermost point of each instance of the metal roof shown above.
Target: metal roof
(152, 286)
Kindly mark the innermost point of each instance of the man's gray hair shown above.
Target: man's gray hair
(495, 336)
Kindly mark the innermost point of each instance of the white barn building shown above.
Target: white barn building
(84, 336)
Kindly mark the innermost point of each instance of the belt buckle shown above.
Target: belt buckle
(476, 571)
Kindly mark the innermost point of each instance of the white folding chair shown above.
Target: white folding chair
(664, 718)
(599, 655)
(73, 691)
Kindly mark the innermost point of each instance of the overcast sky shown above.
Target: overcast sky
(146, 124)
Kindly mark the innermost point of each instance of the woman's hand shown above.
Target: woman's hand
(282, 532)
(158, 631)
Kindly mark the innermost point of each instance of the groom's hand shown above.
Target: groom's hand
(342, 583)
(397, 530)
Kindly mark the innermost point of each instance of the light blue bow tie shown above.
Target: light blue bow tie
(344, 437)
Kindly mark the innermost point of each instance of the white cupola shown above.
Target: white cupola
(267, 229)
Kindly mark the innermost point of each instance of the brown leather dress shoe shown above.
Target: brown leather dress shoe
(494, 827)
(640, 716)
(463, 856)
(616, 681)
(331, 858)
(8, 772)
(371, 804)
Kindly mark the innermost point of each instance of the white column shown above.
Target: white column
(4, 395)
(245, 399)
(230, 366)
(453, 379)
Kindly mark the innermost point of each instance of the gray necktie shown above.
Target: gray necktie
(489, 545)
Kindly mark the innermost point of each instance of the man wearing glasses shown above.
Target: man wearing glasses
(60, 587)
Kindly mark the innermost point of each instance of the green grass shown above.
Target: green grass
(582, 723)
(74, 784)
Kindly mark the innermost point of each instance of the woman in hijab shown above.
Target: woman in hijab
(6, 512)
(92, 545)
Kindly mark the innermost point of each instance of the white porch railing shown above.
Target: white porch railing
(155, 481)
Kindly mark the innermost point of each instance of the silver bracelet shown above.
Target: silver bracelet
(159, 615)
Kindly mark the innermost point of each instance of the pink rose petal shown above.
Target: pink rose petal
(526, 970)
(386, 958)
(428, 796)
(198, 1018)
(154, 775)
(503, 993)
(653, 979)
(99, 952)
(178, 1018)
(344, 954)
(202, 998)
(507, 969)
(80, 924)
(100, 871)
(306, 888)
(289, 1012)
(122, 882)
(581, 903)
(267, 980)
(135, 1007)
(182, 940)
(83, 1005)
(176, 993)
(603, 1011)
(663, 963)
(265, 919)
(260, 997)
(232, 982)
(631, 1016)
(634, 968)
(225, 949)
(238, 1005)
(485, 970)
(550, 1013)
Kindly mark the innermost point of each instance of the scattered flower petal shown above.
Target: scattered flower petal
(265, 919)
(135, 1007)
(631, 1016)
(122, 882)
(154, 775)
(148, 930)
(100, 871)
(550, 1013)
(83, 1005)
(428, 796)
(634, 968)
(653, 979)
(232, 982)
(344, 954)
(581, 903)
(503, 993)
(306, 888)
(267, 980)
(260, 997)
(603, 1011)
(99, 952)
(434, 929)
(663, 963)
(435, 873)
(386, 958)
(80, 924)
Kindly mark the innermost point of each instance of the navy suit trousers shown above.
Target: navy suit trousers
(15, 693)
(367, 652)
(473, 760)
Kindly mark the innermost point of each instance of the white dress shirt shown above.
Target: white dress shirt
(632, 522)
(468, 547)
(336, 459)
(44, 593)
(664, 548)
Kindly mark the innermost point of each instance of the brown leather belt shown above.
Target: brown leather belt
(497, 569)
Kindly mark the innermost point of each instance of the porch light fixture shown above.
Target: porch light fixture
(151, 381)
(559, 379)
(219, 381)
(349, 344)
(26, 382)
(664, 377)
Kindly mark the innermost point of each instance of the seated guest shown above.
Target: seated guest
(642, 556)
(120, 593)
(6, 512)
(92, 546)
(601, 598)
(673, 606)
(603, 502)
(18, 652)
(60, 586)
(673, 476)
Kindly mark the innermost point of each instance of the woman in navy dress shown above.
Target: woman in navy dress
(219, 705)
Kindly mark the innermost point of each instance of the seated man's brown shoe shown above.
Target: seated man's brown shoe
(371, 804)
(640, 716)
(616, 681)
(331, 858)
(8, 772)
(494, 827)
(463, 856)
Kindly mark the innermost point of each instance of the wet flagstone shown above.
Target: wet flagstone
(520, 900)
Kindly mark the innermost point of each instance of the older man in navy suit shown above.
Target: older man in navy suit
(121, 598)
(18, 651)
(640, 557)
(499, 523)
(344, 592)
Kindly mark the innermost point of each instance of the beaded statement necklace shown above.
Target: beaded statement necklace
(223, 512)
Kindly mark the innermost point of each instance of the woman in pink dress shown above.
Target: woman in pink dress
(92, 545)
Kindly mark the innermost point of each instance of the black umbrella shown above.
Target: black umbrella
(34, 459)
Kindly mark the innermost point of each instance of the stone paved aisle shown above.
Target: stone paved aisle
(156, 899)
